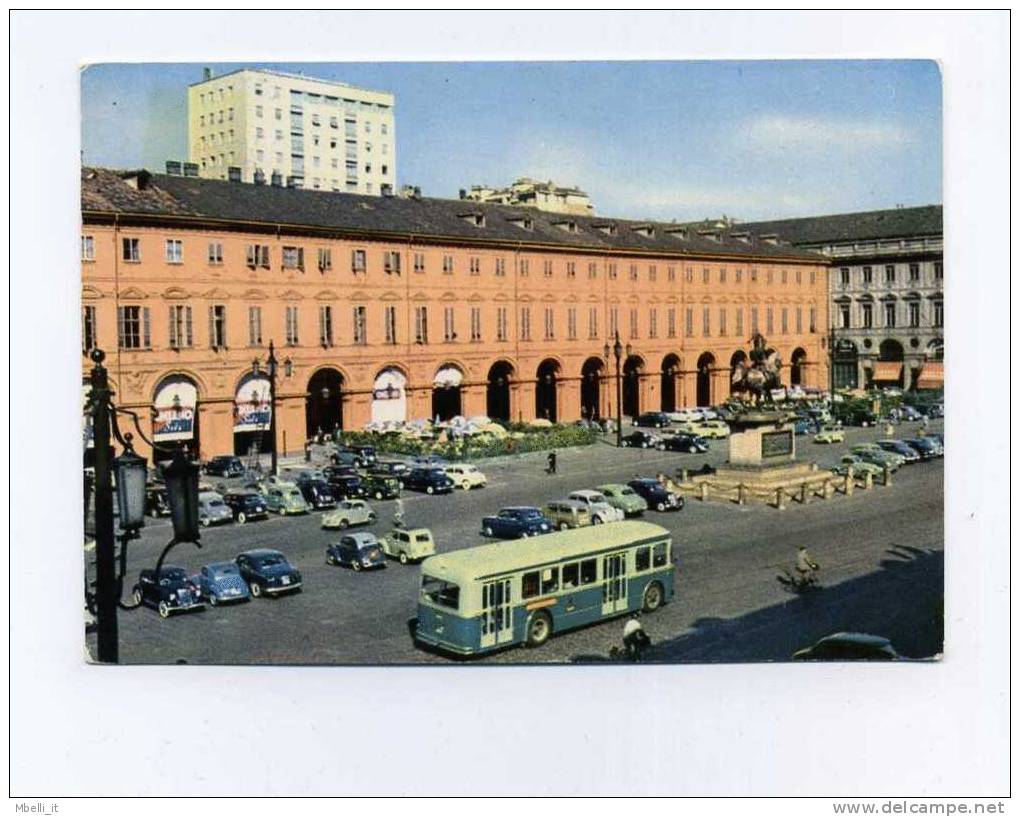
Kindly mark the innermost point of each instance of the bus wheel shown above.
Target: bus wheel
(539, 629)
(653, 597)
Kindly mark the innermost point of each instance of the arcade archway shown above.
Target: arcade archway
(797, 360)
(497, 390)
(252, 412)
(591, 380)
(737, 359)
(704, 386)
(446, 402)
(175, 401)
(670, 370)
(632, 369)
(545, 390)
(324, 411)
(389, 396)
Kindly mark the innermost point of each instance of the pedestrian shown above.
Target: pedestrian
(888, 430)
(551, 463)
(398, 513)
(635, 639)
(924, 424)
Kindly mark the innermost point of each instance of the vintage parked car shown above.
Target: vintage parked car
(684, 415)
(829, 434)
(641, 439)
(900, 447)
(408, 545)
(598, 506)
(246, 505)
(365, 453)
(356, 550)
(567, 513)
(516, 522)
(849, 647)
(174, 592)
(317, 494)
(349, 512)
(657, 497)
(430, 461)
(652, 419)
(268, 572)
(466, 476)
(212, 510)
(860, 466)
(286, 499)
(624, 498)
(345, 457)
(872, 453)
(429, 480)
(927, 447)
(224, 466)
(710, 429)
(805, 425)
(380, 486)
(220, 582)
(392, 468)
(684, 442)
(156, 502)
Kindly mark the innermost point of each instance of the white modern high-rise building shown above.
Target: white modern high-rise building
(254, 125)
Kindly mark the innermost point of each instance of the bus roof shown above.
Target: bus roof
(481, 561)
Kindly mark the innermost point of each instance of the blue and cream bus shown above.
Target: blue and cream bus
(491, 596)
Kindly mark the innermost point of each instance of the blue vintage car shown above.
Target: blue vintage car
(360, 551)
(268, 572)
(220, 582)
(429, 480)
(516, 522)
(174, 592)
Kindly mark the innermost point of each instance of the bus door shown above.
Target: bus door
(614, 583)
(497, 618)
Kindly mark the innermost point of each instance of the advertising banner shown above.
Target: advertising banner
(251, 405)
(176, 398)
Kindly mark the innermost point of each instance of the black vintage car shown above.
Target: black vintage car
(224, 466)
(429, 480)
(686, 443)
(391, 468)
(268, 572)
(317, 493)
(246, 505)
(174, 592)
(156, 502)
(640, 439)
(345, 485)
(653, 419)
(380, 485)
(656, 495)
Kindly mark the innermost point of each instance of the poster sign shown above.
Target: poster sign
(251, 405)
(176, 399)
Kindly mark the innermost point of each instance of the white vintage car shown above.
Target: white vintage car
(465, 476)
(598, 506)
(349, 512)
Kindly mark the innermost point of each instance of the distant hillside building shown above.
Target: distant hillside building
(528, 193)
(274, 128)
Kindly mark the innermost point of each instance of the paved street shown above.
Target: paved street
(880, 551)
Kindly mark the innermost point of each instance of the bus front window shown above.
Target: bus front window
(440, 592)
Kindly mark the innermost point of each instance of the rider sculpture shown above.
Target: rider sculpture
(757, 379)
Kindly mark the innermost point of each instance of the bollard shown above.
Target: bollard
(814, 466)
(828, 489)
(848, 485)
(886, 475)
(868, 482)
(803, 493)
(779, 499)
(740, 494)
(684, 475)
(703, 488)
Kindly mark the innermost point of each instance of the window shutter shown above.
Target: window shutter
(120, 327)
(251, 256)
(301, 258)
(265, 255)
(188, 335)
(174, 340)
(212, 327)
(146, 338)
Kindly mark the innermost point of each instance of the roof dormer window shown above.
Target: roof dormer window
(476, 218)
(608, 229)
(647, 230)
(711, 235)
(676, 232)
(769, 238)
(743, 238)
(524, 222)
(566, 226)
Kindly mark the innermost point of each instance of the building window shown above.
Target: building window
(449, 333)
(812, 324)
(218, 326)
(357, 261)
(291, 316)
(938, 270)
(593, 323)
(768, 277)
(500, 267)
(391, 262)
(88, 248)
(671, 322)
(614, 322)
(844, 316)
(705, 275)
(180, 327)
(915, 272)
(890, 313)
(547, 269)
(671, 273)
(722, 275)
(653, 324)
(571, 269)
(133, 327)
(88, 329)
(706, 322)
(844, 276)
(866, 275)
(501, 323)
(360, 326)
(914, 311)
(325, 259)
(572, 323)
(131, 250)
(799, 278)
(390, 322)
(937, 313)
(783, 277)
(738, 322)
(447, 265)
(525, 323)
(612, 271)
(866, 316)
(593, 269)
(294, 258)
(784, 321)
(800, 320)
(326, 325)
(633, 272)
(769, 323)
(421, 324)
(689, 275)
(754, 275)
(474, 265)
(254, 325)
(722, 321)
(754, 320)
(890, 273)
(652, 272)
(419, 262)
(476, 324)
(812, 279)
(550, 329)
(257, 255)
(689, 322)
(215, 253)
(524, 267)
(633, 320)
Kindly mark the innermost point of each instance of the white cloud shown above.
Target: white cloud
(777, 131)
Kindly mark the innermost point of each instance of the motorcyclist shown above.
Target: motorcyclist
(635, 639)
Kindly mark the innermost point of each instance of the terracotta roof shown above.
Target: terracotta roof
(105, 191)
(902, 222)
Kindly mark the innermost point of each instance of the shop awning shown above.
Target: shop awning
(886, 370)
(932, 375)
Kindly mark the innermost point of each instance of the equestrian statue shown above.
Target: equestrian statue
(755, 381)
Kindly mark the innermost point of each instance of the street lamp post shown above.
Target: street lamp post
(618, 353)
(256, 370)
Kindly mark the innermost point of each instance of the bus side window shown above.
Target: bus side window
(570, 575)
(659, 556)
(642, 559)
(589, 571)
(550, 580)
(529, 585)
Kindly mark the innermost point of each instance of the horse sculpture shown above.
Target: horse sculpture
(757, 379)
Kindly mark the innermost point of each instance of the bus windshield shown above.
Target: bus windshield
(441, 592)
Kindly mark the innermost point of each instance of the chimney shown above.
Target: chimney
(206, 74)
(191, 169)
(259, 177)
(234, 173)
(276, 180)
(173, 167)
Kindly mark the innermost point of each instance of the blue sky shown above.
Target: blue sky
(663, 140)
